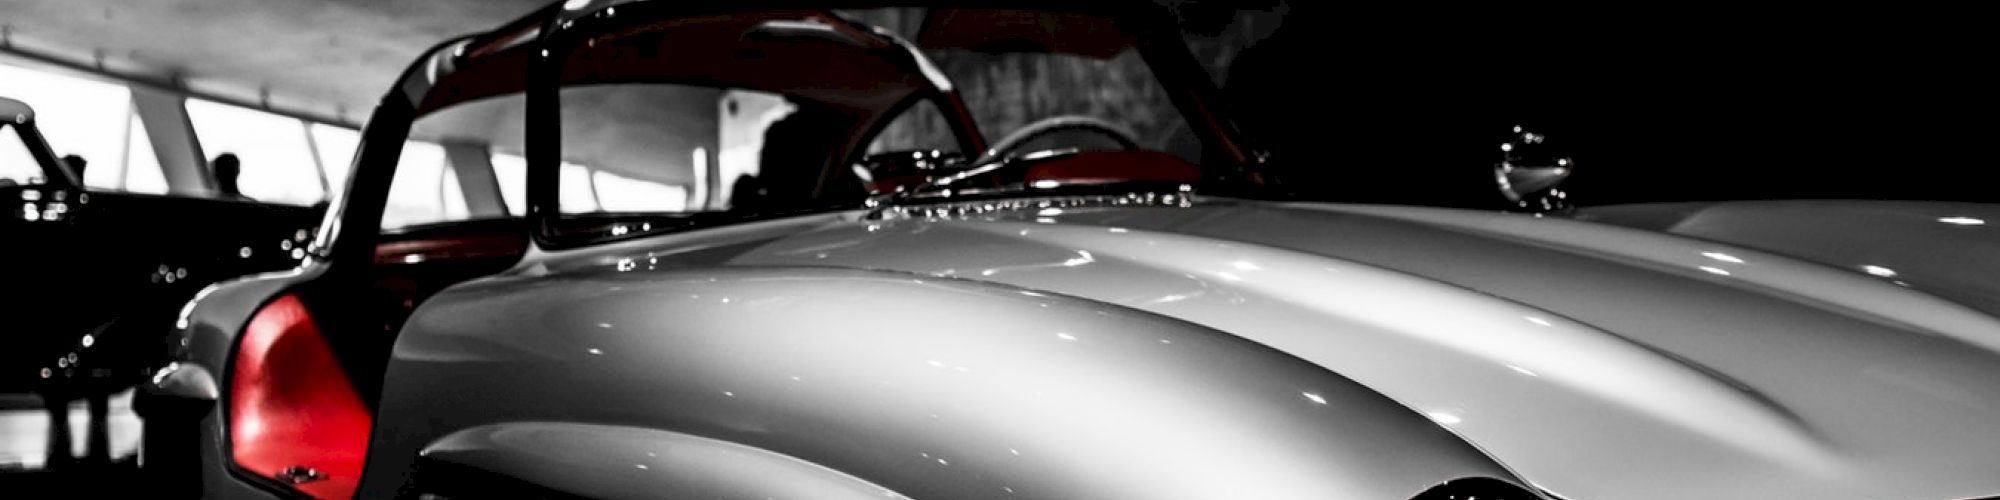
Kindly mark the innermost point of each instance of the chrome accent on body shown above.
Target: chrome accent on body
(299, 474)
(1185, 198)
(1531, 171)
(185, 381)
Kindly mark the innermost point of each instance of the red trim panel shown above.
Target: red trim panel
(291, 404)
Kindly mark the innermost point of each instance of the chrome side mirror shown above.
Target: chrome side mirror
(1530, 173)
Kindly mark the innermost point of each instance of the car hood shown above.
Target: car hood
(1596, 360)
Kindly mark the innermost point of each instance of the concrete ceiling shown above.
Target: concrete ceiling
(329, 59)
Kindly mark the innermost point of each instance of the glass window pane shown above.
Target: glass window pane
(415, 195)
(576, 190)
(142, 167)
(922, 127)
(277, 165)
(512, 172)
(17, 165)
(78, 116)
(768, 152)
(617, 193)
(336, 151)
(452, 195)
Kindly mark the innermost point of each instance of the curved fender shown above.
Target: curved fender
(613, 463)
(202, 341)
(929, 387)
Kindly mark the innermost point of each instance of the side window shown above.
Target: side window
(456, 165)
(92, 119)
(275, 163)
(17, 165)
(665, 149)
(421, 191)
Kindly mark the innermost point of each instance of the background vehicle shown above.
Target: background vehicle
(97, 276)
(1076, 320)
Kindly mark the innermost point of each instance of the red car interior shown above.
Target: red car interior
(292, 406)
(1093, 167)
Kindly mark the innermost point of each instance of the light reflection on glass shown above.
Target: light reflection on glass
(1714, 270)
(1539, 321)
(1314, 397)
(1879, 271)
(1523, 371)
(1444, 418)
(1245, 265)
(596, 351)
(1963, 221)
(1723, 257)
(1065, 336)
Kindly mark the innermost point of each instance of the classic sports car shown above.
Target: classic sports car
(94, 275)
(1074, 312)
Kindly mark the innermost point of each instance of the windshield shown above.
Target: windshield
(700, 118)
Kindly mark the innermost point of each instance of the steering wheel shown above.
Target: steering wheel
(1004, 148)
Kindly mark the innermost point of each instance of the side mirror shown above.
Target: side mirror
(894, 171)
(1531, 171)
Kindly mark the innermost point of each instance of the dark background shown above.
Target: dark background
(1664, 105)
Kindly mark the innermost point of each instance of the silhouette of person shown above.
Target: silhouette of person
(797, 148)
(226, 168)
(747, 194)
(76, 165)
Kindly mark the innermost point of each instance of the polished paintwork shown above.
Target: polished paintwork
(1598, 361)
(203, 342)
(930, 387)
(621, 463)
(1944, 249)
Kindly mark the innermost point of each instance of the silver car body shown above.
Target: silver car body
(1598, 361)
(1177, 345)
